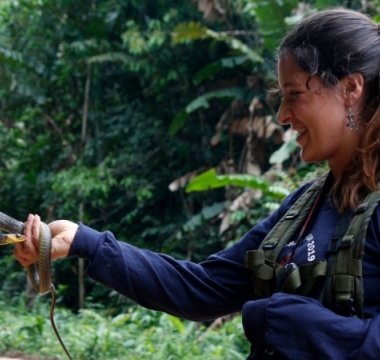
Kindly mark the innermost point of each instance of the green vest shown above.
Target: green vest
(341, 273)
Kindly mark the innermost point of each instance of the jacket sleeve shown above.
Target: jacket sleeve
(301, 328)
(218, 286)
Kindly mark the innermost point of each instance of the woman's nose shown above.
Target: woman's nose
(284, 115)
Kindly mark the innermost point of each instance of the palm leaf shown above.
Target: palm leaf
(186, 32)
(203, 102)
(210, 180)
(217, 66)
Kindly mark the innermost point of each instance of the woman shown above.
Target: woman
(328, 71)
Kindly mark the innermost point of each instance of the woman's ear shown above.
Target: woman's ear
(354, 88)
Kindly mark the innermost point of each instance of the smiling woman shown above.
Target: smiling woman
(314, 294)
(319, 114)
(340, 51)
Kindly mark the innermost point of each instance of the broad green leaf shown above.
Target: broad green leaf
(186, 32)
(205, 181)
(202, 102)
(284, 152)
(210, 180)
(207, 213)
(245, 180)
(177, 122)
(212, 69)
(279, 191)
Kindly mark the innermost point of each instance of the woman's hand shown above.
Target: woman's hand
(62, 232)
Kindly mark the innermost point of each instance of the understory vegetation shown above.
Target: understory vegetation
(135, 334)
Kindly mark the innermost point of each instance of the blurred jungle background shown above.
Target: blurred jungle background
(152, 119)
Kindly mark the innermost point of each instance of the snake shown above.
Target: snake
(39, 273)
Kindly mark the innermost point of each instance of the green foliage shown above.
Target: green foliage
(138, 42)
(271, 16)
(285, 151)
(210, 180)
(218, 66)
(206, 214)
(136, 334)
(79, 183)
(195, 31)
(203, 102)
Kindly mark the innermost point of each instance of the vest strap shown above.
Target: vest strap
(263, 261)
(347, 279)
(343, 289)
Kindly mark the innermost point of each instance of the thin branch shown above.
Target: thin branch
(85, 104)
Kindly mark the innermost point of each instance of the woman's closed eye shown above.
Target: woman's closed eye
(294, 94)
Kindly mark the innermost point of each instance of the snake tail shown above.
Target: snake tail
(53, 300)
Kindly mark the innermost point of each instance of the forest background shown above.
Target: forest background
(151, 119)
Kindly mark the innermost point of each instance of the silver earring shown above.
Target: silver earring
(351, 122)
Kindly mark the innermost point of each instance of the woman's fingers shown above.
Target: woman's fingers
(27, 252)
(32, 228)
(62, 232)
(24, 258)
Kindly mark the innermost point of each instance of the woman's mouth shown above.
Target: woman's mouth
(300, 133)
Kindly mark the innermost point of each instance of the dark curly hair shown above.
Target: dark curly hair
(333, 44)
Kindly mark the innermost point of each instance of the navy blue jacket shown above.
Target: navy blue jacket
(296, 326)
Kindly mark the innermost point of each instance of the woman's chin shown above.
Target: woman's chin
(307, 157)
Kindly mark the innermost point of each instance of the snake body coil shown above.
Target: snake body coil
(39, 273)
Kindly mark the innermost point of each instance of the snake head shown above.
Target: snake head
(11, 238)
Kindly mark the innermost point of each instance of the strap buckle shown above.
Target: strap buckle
(340, 242)
(270, 245)
(291, 215)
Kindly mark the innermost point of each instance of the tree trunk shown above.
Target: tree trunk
(81, 265)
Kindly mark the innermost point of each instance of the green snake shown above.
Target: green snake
(39, 273)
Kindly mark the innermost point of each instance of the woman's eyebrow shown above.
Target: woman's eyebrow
(289, 83)
(275, 92)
